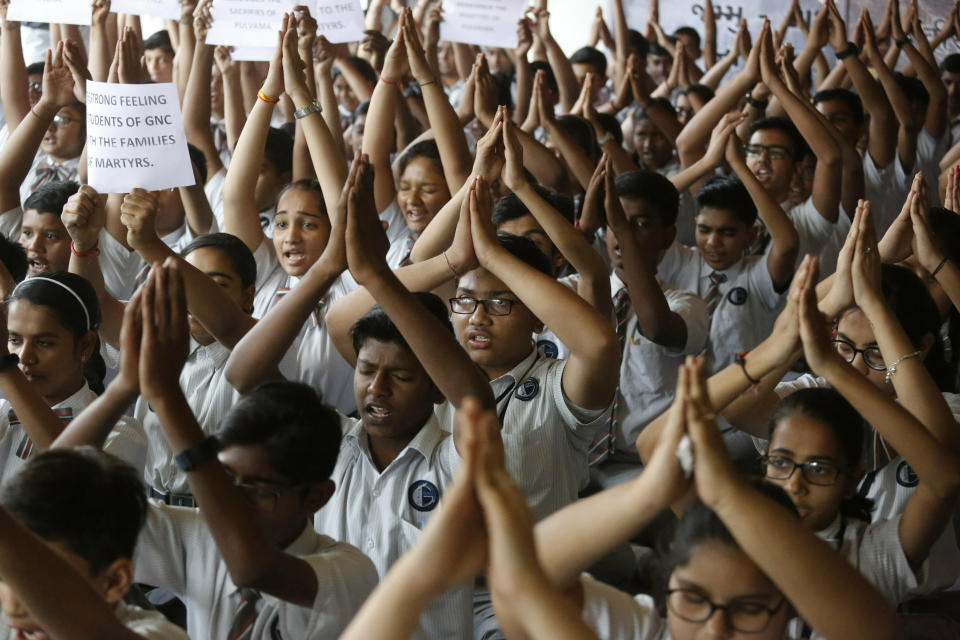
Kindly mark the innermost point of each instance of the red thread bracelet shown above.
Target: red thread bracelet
(92, 251)
(390, 82)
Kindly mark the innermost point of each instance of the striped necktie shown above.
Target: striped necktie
(26, 448)
(712, 296)
(602, 447)
(244, 615)
(411, 240)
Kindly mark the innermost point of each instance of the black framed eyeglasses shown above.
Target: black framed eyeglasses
(871, 355)
(741, 615)
(261, 495)
(819, 472)
(465, 305)
(774, 151)
(35, 86)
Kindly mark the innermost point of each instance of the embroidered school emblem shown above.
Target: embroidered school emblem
(737, 296)
(548, 348)
(906, 476)
(423, 495)
(528, 390)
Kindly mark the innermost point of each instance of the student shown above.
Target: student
(742, 292)
(67, 559)
(395, 461)
(158, 57)
(657, 324)
(739, 547)
(40, 231)
(950, 74)
(258, 484)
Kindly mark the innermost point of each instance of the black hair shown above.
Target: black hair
(828, 407)
(89, 501)
(639, 44)
(657, 50)
(424, 149)
(377, 325)
(582, 134)
(510, 207)
(691, 32)
(279, 150)
(728, 194)
(916, 93)
(36, 68)
(548, 76)
(361, 110)
(362, 67)
(159, 40)
(200, 161)
(69, 312)
(779, 123)
(702, 91)
(503, 81)
(234, 248)
(700, 524)
(51, 197)
(300, 434)
(640, 113)
(611, 125)
(852, 101)
(951, 64)
(525, 250)
(14, 258)
(306, 184)
(592, 57)
(654, 189)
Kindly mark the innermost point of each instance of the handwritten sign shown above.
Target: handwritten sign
(249, 23)
(169, 9)
(491, 23)
(339, 20)
(135, 138)
(55, 11)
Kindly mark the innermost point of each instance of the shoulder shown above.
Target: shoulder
(150, 625)
(615, 615)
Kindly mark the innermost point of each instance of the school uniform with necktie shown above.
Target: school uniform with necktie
(177, 552)
(741, 301)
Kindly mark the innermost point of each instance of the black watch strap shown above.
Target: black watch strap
(204, 451)
(850, 50)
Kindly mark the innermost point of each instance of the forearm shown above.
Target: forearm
(95, 423)
(56, 595)
(393, 609)
(804, 61)
(328, 163)
(794, 559)
(378, 140)
(21, 147)
(717, 71)
(185, 48)
(448, 133)
(196, 102)
(574, 155)
(13, 71)
(361, 87)
(655, 319)
(196, 209)
(563, 71)
(783, 234)
(331, 110)
(440, 231)
(111, 310)
(883, 124)
(936, 116)
(263, 347)
(240, 214)
(524, 90)
(38, 420)
(693, 138)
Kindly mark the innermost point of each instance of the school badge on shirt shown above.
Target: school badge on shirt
(737, 296)
(423, 495)
(528, 390)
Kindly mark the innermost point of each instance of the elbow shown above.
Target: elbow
(238, 375)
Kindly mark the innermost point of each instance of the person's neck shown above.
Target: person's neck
(384, 450)
(60, 396)
(60, 159)
(288, 537)
(495, 371)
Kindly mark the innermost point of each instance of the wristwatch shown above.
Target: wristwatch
(303, 112)
(204, 451)
(850, 50)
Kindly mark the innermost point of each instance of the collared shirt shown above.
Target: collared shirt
(383, 512)
(545, 436)
(814, 233)
(318, 363)
(177, 552)
(66, 170)
(214, 192)
(748, 304)
(16, 447)
(648, 371)
(150, 625)
(687, 211)
(885, 193)
(210, 397)
(615, 615)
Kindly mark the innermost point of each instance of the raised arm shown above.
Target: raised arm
(196, 98)
(14, 91)
(936, 119)
(593, 344)
(379, 133)
(562, 69)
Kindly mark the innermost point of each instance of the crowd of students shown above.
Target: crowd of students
(650, 341)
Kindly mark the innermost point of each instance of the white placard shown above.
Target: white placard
(249, 23)
(339, 20)
(169, 9)
(135, 138)
(55, 11)
(491, 23)
(253, 54)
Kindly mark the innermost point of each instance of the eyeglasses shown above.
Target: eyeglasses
(740, 615)
(818, 472)
(466, 305)
(774, 151)
(263, 496)
(871, 355)
(61, 121)
(35, 86)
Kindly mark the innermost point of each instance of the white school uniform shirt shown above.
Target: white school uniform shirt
(748, 304)
(648, 371)
(176, 551)
(884, 191)
(383, 512)
(545, 436)
(687, 211)
(214, 191)
(66, 170)
(396, 223)
(319, 364)
(150, 625)
(16, 447)
(813, 230)
(210, 397)
(547, 341)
